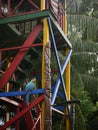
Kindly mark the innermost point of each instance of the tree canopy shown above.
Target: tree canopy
(82, 26)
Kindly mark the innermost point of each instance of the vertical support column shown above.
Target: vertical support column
(73, 117)
(7, 90)
(47, 71)
(0, 58)
(46, 77)
(65, 21)
(0, 8)
(8, 64)
(43, 76)
(68, 125)
(67, 73)
(9, 7)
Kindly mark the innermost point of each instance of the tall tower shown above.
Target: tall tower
(33, 39)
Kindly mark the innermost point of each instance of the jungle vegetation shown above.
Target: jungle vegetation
(82, 23)
(82, 30)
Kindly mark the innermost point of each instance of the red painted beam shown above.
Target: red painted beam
(16, 7)
(20, 47)
(28, 42)
(9, 7)
(0, 9)
(21, 113)
(28, 118)
(20, 3)
(34, 4)
(0, 58)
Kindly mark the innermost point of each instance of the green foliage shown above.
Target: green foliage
(87, 7)
(58, 121)
(86, 104)
(77, 85)
(82, 26)
(93, 121)
(86, 26)
(91, 85)
(82, 32)
(80, 120)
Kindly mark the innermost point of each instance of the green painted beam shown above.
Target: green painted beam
(35, 16)
(25, 17)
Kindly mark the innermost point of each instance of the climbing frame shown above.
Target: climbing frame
(30, 32)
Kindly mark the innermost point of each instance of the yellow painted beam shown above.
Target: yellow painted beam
(43, 78)
(65, 21)
(42, 7)
(65, 24)
(68, 125)
(45, 41)
(68, 76)
(67, 72)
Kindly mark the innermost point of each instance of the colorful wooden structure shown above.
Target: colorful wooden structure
(30, 30)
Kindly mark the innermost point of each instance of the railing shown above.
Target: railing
(58, 9)
(11, 8)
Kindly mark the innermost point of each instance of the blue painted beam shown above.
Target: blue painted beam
(62, 95)
(59, 107)
(56, 55)
(18, 93)
(58, 80)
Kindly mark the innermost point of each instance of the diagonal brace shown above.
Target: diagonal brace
(59, 66)
(56, 87)
(28, 42)
(56, 54)
(21, 113)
